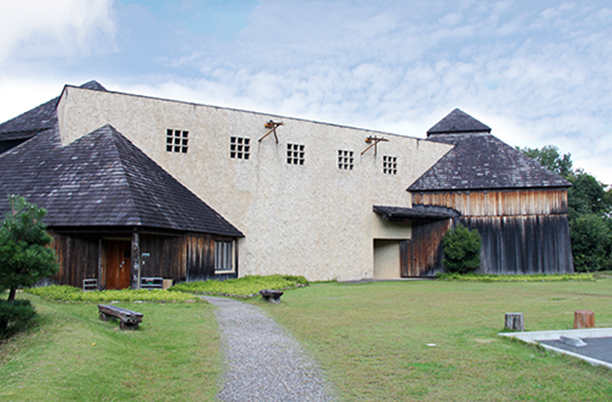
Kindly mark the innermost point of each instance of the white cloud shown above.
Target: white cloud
(535, 75)
(38, 29)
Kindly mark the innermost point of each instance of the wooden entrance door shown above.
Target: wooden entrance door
(118, 264)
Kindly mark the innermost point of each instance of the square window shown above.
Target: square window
(177, 141)
(389, 164)
(345, 160)
(295, 154)
(240, 148)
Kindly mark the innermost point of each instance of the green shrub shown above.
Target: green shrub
(461, 250)
(246, 286)
(69, 293)
(14, 315)
(514, 278)
(591, 243)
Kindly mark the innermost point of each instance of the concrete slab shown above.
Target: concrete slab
(597, 351)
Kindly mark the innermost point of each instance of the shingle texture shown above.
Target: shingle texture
(480, 162)
(40, 118)
(458, 121)
(102, 179)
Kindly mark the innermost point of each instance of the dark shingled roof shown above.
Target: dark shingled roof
(479, 161)
(428, 212)
(102, 179)
(40, 118)
(458, 121)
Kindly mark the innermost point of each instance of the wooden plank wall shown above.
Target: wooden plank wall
(422, 255)
(499, 203)
(164, 257)
(523, 231)
(78, 259)
(523, 244)
(189, 257)
(199, 256)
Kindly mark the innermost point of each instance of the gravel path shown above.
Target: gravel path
(263, 362)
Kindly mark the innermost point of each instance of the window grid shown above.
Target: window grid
(345, 160)
(389, 164)
(223, 256)
(240, 147)
(295, 154)
(177, 141)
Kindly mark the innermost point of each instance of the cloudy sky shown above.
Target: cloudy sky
(536, 72)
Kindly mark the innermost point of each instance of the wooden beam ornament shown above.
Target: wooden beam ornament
(373, 141)
(272, 125)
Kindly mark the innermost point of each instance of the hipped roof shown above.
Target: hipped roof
(480, 161)
(40, 118)
(102, 179)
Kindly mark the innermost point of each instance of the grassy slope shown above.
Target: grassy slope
(173, 356)
(371, 339)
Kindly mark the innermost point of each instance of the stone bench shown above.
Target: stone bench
(129, 319)
(272, 296)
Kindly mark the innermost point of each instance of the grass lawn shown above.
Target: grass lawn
(372, 338)
(73, 356)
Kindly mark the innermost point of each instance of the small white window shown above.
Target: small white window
(224, 256)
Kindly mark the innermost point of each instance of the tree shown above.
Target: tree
(24, 253)
(591, 243)
(550, 158)
(461, 249)
(589, 210)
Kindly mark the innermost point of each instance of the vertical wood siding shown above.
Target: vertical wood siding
(422, 255)
(499, 203)
(78, 259)
(189, 257)
(523, 231)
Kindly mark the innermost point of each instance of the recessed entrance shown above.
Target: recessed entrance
(386, 259)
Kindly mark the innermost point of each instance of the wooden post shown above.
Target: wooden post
(584, 319)
(135, 257)
(514, 321)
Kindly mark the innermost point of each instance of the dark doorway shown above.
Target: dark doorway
(118, 264)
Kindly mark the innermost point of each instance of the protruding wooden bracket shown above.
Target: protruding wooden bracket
(373, 141)
(272, 126)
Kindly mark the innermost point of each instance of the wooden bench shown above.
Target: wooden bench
(272, 296)
(129, 319)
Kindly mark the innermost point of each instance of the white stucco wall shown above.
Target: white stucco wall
(313, 220)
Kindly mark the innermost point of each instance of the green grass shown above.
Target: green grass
(514, 278)
(247, 286)
(372, 339)
(73, 356)
(72, 294)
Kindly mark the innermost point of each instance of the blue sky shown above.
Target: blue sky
(536, 72)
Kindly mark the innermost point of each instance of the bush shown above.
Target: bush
(461, 250)
(246, 286)
(591, 243)
(14, 315)
(72, 294)
(514, 278)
